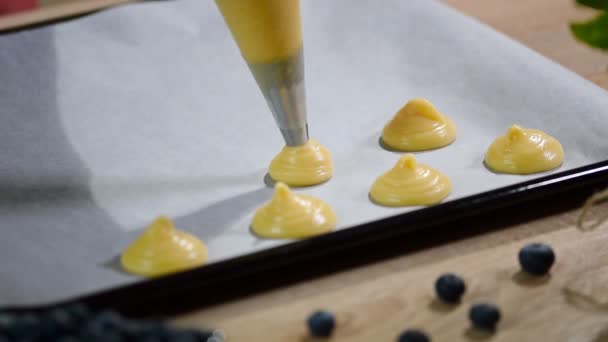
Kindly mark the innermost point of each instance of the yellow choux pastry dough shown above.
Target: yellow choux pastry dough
(418, 126)
(162, 249)
(409, 183)
(289, 215)
(303, 165)
(524, 151)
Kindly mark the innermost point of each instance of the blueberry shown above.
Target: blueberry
(450, 288)
(113, 336)
(26, 326)
(153, 329)
(536, 258)
(412, 335)
(67, 338)
(181, 336)
(98, 329)
(49, 328)
(108, 320)
(132, 331)
(6, 321)
(191, 335)
(321, 324)
(92, 333)
(484, 316)
(59, 319)
(151, 339)
(96, 333)
(79, 312)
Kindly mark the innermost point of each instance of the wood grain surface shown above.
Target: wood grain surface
(378, 301)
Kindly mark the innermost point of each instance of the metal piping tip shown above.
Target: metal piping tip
(283, 87)
(295, 136)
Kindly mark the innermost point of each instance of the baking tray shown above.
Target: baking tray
(114, 118)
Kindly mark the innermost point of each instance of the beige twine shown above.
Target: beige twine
(593, 200)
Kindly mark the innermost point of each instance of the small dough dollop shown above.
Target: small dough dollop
(162, 249)
(418, 126)
(524, 151)
(409, 184)
(289, 215)
(303, 165)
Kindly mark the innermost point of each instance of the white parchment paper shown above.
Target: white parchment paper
(112, 119)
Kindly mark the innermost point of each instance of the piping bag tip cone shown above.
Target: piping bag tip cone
(269, 36)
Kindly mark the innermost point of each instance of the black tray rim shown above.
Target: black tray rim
(218, 277)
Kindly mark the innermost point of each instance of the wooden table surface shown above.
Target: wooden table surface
(376, 302)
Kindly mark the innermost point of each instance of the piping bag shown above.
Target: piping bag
(269, 36)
